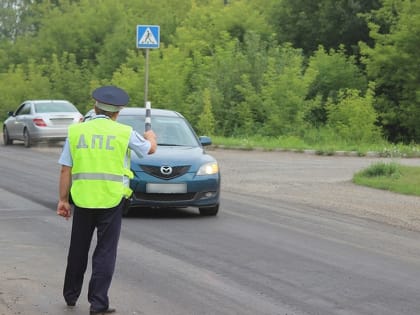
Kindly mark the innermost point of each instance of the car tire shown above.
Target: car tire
(26, 138)
(209, 211)
(6, 138)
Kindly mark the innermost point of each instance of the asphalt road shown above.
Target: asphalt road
(293, 236)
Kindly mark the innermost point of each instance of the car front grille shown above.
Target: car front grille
(164, 197)
(156, 171)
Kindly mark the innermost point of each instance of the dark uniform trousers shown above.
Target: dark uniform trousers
(108, 225)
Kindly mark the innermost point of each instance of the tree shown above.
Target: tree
(68, 80)
(393, 63)
(353, 118)
(206, 121)
(23, 82)
(169, 73)
(251, 115)
(283, 93)
(307, 23)
(328, 73)
(14, 16)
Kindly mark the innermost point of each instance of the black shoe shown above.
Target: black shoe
(107, 311)
(71, 304)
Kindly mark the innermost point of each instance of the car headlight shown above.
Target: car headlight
(208, 169)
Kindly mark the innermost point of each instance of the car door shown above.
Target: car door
(19, 120)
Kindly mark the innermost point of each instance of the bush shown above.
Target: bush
(353, 118)
(382, 169)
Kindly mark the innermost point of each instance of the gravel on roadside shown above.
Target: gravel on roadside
(323, 182)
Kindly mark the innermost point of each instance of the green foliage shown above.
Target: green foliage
(353, 118)
(334, 71)
(307, 23)
(23, 82)
(256, 67)
(328, 73)
(8, 19)
(206, 121)
(67, 79)
(249, 109)
(223, 72)
(283, 93)
(14, 18)
(169, 73)
(398, 150)
(393, 64)
(319, 141)
(382, 169)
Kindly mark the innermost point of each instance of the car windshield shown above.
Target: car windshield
(55, 107)
(170, 131)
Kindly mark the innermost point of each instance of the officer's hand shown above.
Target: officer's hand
(64, 209)
(151, 136)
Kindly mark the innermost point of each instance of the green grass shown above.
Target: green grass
(390, 176)
(322, 146)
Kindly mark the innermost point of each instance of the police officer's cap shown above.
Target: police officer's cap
(111, 95)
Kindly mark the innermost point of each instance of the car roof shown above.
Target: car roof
(42, 101)
(141, 111)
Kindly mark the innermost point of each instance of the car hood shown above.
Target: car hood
(173, 156)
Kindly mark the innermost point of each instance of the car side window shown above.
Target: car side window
(24, 109)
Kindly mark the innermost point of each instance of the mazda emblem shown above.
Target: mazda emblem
(166, 170)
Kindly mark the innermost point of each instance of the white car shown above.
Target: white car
(40, 120)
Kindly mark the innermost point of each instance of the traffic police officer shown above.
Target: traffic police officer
(96, 170)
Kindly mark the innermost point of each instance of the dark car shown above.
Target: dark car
(180, 173)
(40, 120)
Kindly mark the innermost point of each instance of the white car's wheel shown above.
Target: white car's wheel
(27, 138)
(6, 138)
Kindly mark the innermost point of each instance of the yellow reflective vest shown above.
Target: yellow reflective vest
(100, 153)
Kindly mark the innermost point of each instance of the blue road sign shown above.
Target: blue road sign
(148, 36)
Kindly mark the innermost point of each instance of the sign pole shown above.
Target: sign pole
(147, 105)
(146, 76)
(148, 36)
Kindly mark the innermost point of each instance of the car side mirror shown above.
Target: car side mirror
(9, 114)
(204, 140)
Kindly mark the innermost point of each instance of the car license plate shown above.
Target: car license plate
(152, 188)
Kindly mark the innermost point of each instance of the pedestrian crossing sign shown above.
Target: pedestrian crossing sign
(148, 36)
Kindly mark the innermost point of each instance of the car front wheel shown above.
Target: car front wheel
(6, 138)
(27, 138)
(209, 211)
